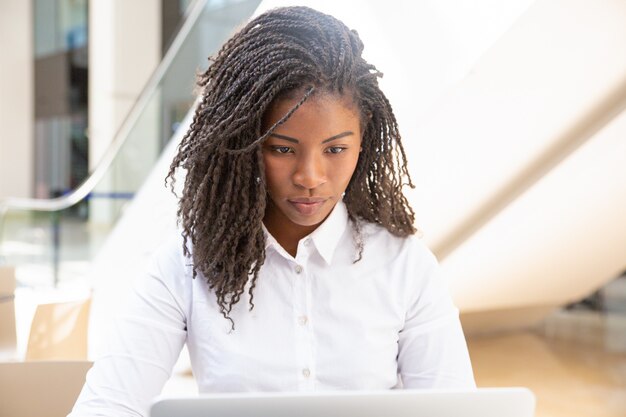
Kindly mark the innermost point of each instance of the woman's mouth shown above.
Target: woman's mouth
(307, 206)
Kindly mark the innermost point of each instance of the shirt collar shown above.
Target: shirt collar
(326, 237)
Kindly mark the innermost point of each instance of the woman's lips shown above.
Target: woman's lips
(307, 207)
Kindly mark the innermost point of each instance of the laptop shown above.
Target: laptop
(483, 402)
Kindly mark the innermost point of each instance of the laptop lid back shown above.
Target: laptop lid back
(484, 402)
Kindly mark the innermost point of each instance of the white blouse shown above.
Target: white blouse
(320, 322)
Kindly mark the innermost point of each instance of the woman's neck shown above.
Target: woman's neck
(286, 232)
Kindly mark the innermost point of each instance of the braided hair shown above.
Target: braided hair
(285, 51)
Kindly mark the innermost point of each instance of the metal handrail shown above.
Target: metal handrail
(79, 193)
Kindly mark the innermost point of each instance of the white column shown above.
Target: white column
(124, 49)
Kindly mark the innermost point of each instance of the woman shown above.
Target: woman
(307, 272)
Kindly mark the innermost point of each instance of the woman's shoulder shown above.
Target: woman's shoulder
(409, 265)
(382, 241)
(170, 263)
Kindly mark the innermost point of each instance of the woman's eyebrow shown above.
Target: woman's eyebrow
(339, 136)
(294, 140)
(290, 139)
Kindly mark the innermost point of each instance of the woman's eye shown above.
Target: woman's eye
(281, 149)
(336, 149)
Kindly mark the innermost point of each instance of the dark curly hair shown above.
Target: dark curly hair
(285, 51)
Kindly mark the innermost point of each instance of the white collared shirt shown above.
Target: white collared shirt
(320, 322)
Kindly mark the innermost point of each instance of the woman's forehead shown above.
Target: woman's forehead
(319, 99)
(329, 109)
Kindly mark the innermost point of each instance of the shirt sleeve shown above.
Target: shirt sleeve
(142, 346)
(432, 351)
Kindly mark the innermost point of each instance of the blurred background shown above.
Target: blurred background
(513, 115)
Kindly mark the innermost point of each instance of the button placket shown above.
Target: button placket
(303, 336)
(306, 328)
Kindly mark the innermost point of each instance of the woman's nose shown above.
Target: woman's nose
(310, 172)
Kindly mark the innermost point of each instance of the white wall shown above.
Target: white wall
(16, 99)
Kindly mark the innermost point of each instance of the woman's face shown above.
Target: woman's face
(309, 159)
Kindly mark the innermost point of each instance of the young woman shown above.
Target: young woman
(298, 268)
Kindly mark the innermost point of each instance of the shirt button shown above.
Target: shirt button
(298, 269)
(302, 320)
(307, 242)
(306, 373)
